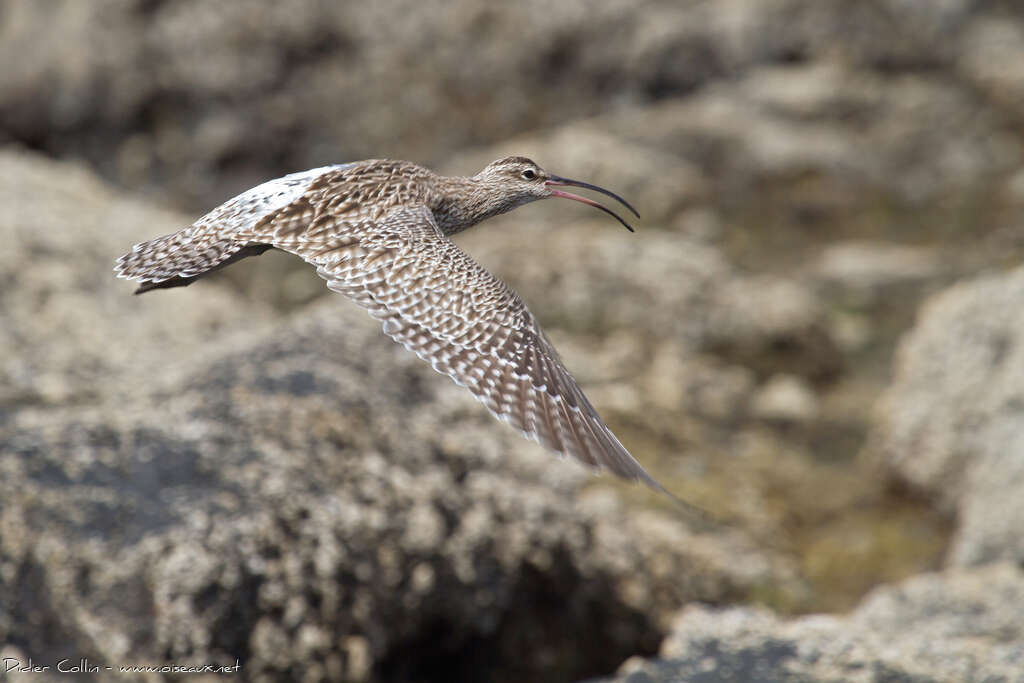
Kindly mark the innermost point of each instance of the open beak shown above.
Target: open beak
(558, 180)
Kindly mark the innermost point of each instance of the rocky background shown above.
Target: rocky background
(816, 334)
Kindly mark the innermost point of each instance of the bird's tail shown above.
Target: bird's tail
(178, 259)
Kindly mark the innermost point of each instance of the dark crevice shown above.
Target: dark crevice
(558, 626)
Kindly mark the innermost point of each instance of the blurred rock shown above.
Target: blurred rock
(958, 626)
(950, 423)
(680, 382)
(873, 269)
(261, 88)
(785, 399)
(992, 48)
(854, 134)
(68, 323)
(771, 324)
(205, 100)
(1014, 189)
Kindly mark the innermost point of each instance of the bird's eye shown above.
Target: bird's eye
(529, 174)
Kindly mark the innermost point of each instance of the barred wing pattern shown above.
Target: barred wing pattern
(439, 303)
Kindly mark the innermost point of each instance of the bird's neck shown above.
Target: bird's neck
(461, 203)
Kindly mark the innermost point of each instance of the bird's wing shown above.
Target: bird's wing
(438, 302)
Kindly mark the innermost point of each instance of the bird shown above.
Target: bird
(378, 231)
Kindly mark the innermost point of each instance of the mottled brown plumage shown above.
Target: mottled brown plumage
(377, 231)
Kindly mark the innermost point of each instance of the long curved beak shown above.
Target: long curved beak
(558, 180)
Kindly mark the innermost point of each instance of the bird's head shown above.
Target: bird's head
(519, 180)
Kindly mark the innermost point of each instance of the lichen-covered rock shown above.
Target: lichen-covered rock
(68, 325)
(950, 423)
(204, 99)
(249, 87)
(961, 625)
(318, 484)
(873, 269)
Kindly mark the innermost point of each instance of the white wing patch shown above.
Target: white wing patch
(211, 241)
(243, 211)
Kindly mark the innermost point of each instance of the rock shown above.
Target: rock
(68, 323)
(857, 135)
(258, 90)
(874, 268)
(1014, 189)
(771, 324)
(785, 399)
(949, 424)
(985, 38)
(317, 484)
(961, 625)
(697, 384)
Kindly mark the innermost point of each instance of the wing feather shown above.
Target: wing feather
(440, 304)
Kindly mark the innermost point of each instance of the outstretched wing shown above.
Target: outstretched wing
(438, 302)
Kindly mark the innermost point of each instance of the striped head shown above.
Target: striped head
(514, 181)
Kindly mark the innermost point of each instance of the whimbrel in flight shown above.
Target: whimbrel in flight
(378, 232)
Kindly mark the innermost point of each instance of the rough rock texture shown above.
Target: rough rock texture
(873, 269)
(828, 133)
(318, 485)
(203, 99)
(332, 81)
(962, 625)
(951, 422)
(66, 329)
(196, 479)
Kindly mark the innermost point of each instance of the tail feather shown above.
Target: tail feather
(179, 259)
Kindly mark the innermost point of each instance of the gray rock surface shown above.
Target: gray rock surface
(67, 326)
(202, 100)
(961, 625)
(950, 423)
(328, 81)
(785, 399)
(872, 269)
(317, 484)
(852, 131)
